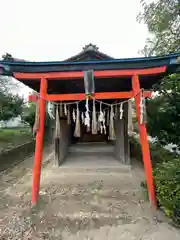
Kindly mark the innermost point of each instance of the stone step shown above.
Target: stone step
(86, 208)
(91, 149)
(88, 153)
(93, 163)
(94, 218)
(89, 172)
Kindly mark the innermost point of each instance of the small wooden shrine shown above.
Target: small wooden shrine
(92, 92)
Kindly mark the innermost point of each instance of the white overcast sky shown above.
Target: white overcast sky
(44, 30)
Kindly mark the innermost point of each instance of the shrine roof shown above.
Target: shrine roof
(110, 64)
(91, 58)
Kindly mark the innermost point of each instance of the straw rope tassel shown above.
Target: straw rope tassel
(68, 116)
(107, 118)
(77, 131)
(74, 116)
(37, 118)
(116, 111)
(82, 117)
(57, 129)
(61, 110)
(98, 123)
(94, 119)
(101, 118)
(143, 116)
(112, 135)
(130, 120)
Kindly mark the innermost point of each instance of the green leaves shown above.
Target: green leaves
(166, 171)
(164, 111)
(28, 115)
(167, 181)
(10, 106)
(162, 18)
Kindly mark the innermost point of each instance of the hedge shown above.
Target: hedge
(166, 171)
(167, 182)
(158, 154)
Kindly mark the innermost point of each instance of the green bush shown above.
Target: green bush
(167, 182)
(135, 148)
(166, 171)
(158, 153)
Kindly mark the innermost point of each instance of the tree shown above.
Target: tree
(28, 114)
(162, 18)
(11, 104)
(164, 111)
(7, 57)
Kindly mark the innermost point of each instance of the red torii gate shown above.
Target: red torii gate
(44, 96)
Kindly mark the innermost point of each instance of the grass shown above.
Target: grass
(10, 137)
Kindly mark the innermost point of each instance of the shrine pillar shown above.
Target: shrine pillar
(39, 142)
(62, 142)
(144, 143)
(122, 140)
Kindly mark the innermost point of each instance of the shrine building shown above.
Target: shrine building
(92, 94)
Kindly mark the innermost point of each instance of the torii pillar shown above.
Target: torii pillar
(144, 143)
(39, 142)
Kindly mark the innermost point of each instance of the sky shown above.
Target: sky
(44, 30)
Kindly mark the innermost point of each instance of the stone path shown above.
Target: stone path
(90, 198)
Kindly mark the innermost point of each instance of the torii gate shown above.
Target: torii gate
(106, 95)
(130, 74)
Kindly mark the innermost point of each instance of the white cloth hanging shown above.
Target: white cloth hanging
(82, 117)
(87, 117)
(65, 110)
(104, 124)
(101, 115)
(50, 110)
(121, 111)
(101, 120)
(74, 115)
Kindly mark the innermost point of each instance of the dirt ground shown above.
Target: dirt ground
(86, 198)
